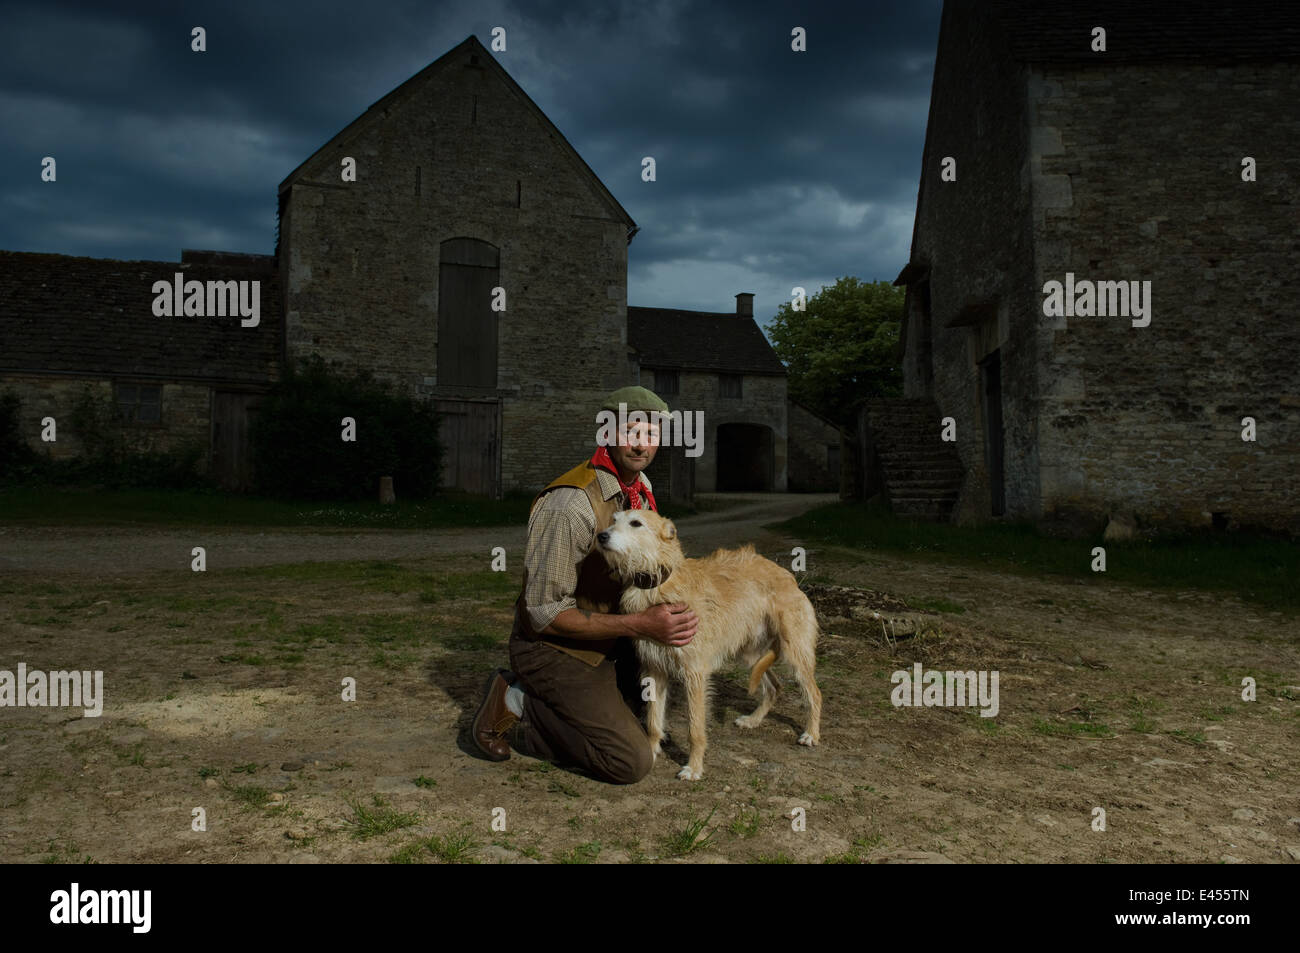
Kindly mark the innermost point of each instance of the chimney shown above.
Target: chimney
(745, 304)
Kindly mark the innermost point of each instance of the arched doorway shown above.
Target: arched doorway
(745, 457)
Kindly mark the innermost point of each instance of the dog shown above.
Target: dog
(748, 606)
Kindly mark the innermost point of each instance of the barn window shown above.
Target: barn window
(667, 382)
(139, 403)
(729, 385)
(468, 270)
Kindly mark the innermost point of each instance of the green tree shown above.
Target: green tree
(842, 348)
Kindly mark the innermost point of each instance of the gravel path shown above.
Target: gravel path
(126, 549)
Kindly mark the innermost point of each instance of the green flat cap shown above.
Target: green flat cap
(636, 398)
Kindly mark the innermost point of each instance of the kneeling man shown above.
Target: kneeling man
(575, 671)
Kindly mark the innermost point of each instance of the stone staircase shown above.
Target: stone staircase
(919, 474)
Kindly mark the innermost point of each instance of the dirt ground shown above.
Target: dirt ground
(223, 692)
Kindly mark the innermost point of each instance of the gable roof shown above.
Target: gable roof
(94, 316)
(470, 46)
(1147, 31)
(700, 340)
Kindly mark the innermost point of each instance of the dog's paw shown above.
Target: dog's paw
(747, 721)
(807, 739)
(688, 774)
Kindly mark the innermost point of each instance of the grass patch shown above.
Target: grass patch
(937, 604)
(60, 506)
(690, 838)
(745, 824)
(862, 846)
(562, 787)
(378, 818)
(582, 854)
(455, 848)
(1259, 569)
(66, 853)
(249, 795)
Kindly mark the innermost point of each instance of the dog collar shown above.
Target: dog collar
(644, 580)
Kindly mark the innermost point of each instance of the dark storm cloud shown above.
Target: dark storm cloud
(774, 168)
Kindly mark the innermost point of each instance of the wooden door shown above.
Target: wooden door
(232, 458)
(471, 452)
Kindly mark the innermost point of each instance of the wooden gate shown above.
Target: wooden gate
(470, 431)
(232, 458)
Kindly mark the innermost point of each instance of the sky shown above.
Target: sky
(775, 168)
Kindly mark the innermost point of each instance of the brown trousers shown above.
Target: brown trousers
(578, 715)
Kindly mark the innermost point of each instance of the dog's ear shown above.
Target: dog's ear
(668, 530)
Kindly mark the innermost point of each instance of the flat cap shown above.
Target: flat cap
(635, 398)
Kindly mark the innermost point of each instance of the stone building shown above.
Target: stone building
(86, 326)
(721, 365)
(1079, 166)
(464, 186)
(449, 240)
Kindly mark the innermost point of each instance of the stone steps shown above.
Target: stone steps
(922, 475)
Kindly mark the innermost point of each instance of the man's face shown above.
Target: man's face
(637, 446)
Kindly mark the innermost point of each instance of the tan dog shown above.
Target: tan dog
(748, 606)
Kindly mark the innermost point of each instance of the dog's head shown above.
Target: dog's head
(641, 547)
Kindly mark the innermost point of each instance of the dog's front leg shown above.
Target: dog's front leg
(655, 708)
(697, 696)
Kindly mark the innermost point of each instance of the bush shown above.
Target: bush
(113, 454)
(116, 454)
(18, 460)
(298, 453)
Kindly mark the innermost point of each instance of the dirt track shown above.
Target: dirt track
(95, 549)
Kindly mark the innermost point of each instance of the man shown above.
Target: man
(575, 670)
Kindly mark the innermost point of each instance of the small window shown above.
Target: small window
(666, 382)
(729, 385)
(139, 403)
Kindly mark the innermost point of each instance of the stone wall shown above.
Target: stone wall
(361, 259)
(185, 413)
(809, 462)
(1138, 178)
(973, 234)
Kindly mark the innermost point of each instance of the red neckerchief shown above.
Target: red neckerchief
(601, 459)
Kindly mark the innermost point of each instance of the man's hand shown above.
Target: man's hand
(672, 624)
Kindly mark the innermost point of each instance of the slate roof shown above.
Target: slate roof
(1148, 30)
(700, 340)
(95, 316)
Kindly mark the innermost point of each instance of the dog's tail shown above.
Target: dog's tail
(761, 666)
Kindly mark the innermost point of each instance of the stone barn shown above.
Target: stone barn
(1105, 267)
(462, 186)
(720, 364)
